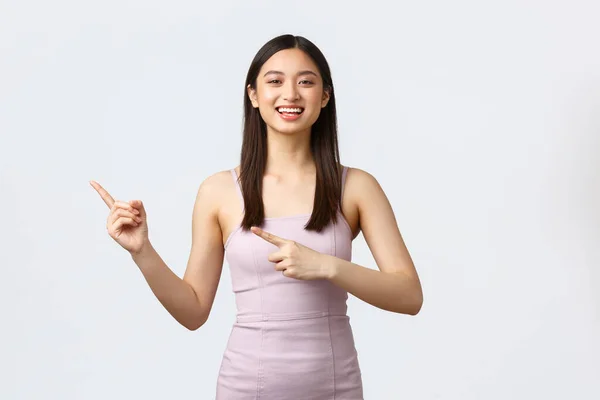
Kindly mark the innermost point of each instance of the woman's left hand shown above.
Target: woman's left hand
(295, 260)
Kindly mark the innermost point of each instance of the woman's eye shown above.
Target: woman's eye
(303, 82)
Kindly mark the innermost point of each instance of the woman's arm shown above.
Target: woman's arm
(396, 286)
(391, 291)
(190, 299)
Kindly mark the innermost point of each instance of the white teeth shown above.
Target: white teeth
(289, 110)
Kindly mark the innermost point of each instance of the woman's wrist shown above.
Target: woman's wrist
(330, 266)
(145, 249)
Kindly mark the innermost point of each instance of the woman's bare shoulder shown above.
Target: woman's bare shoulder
(360, 182)
(359, 178)
(216, 186)
(359, 186)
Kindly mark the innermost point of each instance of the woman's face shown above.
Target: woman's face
(289, 78)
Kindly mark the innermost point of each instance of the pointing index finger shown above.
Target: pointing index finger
(269, 237)
(103, 194)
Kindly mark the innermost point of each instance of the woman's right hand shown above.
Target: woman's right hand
(126, 222)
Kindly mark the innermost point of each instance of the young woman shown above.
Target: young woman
(285, 219)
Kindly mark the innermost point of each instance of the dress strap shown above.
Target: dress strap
(237, 187)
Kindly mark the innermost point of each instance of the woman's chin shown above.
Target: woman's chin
(289, 129)
(292, 127)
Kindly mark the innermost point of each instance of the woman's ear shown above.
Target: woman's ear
(326, 97)
(252, 96)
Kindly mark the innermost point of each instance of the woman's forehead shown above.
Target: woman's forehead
(289, 62)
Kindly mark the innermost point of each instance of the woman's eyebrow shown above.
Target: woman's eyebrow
(273, 72)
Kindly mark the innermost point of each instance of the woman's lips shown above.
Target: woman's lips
(290, 116)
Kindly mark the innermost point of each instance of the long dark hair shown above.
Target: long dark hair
(323, 143)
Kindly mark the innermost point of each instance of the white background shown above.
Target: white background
(479, 119)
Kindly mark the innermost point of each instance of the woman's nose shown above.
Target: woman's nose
(290, 92)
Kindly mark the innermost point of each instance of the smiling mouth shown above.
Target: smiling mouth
(290, 110)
